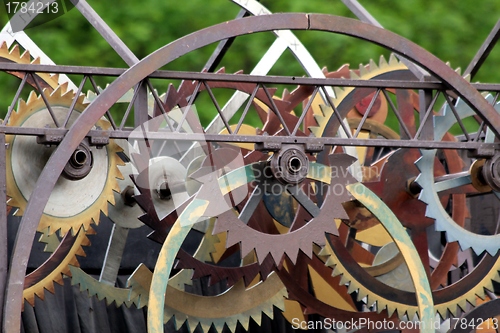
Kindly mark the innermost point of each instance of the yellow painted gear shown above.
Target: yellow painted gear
(60, 269)
(14, 55)
(72, 203)
(323, 114)
(401, 308)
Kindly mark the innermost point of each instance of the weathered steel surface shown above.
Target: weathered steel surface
(301, 235)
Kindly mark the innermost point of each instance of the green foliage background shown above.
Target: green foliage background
(452, 30)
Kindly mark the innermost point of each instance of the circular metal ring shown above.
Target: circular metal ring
(290, 165)
(491, 172)
(79, 164)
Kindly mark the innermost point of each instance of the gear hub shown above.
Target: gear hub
(79, 164)
(290, 165)
(491, 172)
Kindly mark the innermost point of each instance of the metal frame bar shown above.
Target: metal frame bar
(246, 78)
(145, 68)
(4, 258)
(483, 51)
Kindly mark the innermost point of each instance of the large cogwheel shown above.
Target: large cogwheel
(448, 301)
(156, 177)
(64, 251)
(480, 178)
(361, 280)
(90, 177)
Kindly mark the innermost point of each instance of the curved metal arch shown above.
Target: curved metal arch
(172, 51)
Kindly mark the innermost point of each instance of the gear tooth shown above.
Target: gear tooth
(25, 57)
(262, 254)
(448, 64)
(56, 93)
(478, 248)
(410, 313)
(491, 251)
(354, 76)
(219, 227)
(361, 295)
(40, 295)
(285, 93)
(292, 255)
(177, 321)
(352, 288)
(30, 299)
(80, 252)
(14, 51)
(36, 61)
(467, 77)
(450, 239)
(326, 109)
(64, 88)
(81, 100)
(336, 271)
(108, 300)
(330, 262)
(51, 288)
(258, 316)
(3, 47)
(373, 65)
(458, 70)
(390, 309)
(363, 70)
(382, 62)
(453, 308)
(496, 277)
(393, 60)
(192, 326)
(344, 279)
(232, 239)
(245, 322)
(91, 95)
(316, 131)
(323, 252)
(420, 163)
(31, 99)
(307, 250)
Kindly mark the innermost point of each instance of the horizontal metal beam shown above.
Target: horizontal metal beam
(243, 78)
(269, 140)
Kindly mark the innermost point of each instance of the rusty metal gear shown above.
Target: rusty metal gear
(199, 205)
(447, 301)
(56, 267)
(314, 219)
(91, 174)
(468, 182)
(370, 176)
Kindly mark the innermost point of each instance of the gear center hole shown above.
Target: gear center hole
(79, 158)
(294, 164)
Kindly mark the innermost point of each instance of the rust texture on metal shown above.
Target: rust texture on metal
(349, 234)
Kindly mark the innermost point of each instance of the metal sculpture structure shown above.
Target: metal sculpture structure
(349, 194)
